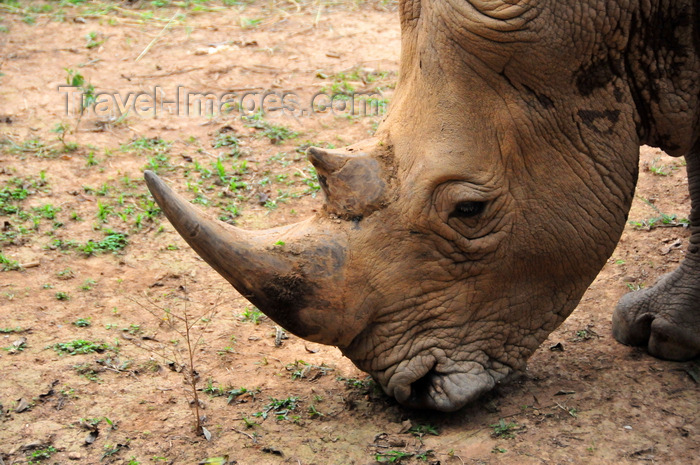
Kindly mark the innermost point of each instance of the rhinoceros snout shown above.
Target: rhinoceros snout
(432, 381)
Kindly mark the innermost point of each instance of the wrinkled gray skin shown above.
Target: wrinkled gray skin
(467, 230)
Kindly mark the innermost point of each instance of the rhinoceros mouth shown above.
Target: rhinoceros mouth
(433, 381)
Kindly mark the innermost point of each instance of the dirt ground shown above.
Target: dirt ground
(97, 284)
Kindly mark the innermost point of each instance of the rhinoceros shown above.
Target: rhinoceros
(467, 229)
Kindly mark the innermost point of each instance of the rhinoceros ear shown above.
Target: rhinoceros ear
(351, 179)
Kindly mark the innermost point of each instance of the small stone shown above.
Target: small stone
(22, 405)
(627, 427)
(74, 456)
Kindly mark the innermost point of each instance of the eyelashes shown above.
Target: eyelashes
(468, 209)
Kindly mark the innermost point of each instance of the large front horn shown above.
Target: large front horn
(283, 271)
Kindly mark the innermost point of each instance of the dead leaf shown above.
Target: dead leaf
(22, 405)
(92, 436)
(694, 373)
(18, 345)
(50, 392)
(405, 426)
(665, 250)
(273, 451)
(558, 347)
(215, 461)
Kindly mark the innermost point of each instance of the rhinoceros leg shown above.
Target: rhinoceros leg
(666, 317)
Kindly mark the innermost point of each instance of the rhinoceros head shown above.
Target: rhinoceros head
(452, 243)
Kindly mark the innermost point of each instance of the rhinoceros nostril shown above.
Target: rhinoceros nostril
(421, 386)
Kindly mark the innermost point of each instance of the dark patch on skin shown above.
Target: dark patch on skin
(592, 76)
(696, 29)
(637, 84)
(324, 260)
(323, 182)
(659, 56)
(666, 41)
(618, 94)
(284, 296)
(665, 141)
(591, 119)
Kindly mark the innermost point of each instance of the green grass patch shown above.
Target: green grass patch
(79, 347)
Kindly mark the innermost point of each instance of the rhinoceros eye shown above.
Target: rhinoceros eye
(468, 209)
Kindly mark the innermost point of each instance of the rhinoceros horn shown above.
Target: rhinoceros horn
(351, 178)
(293, 274)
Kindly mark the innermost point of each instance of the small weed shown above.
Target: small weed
(113, 242)
(498, 450)
(88, 284)
(392, 456)
(88, 372)
(212, 390)
(88, 96)
(662, 221)
(39, 455)
(94, 39)
(90, 423)
(248, 23)
(111, 449)
(82, 322)
(226, 350)
(301, 369)
(7, 264)
(133, 329)
(144, 144)
(585, 334)
(79, 347)
(276, 134)
(252, 315)
(17, 346)
(504, 430)
(47, 211)
(659, 169)
(91, 160)
(11, 330)
(278, 407)
(313, 413)
(354, 383)
(234, 394)
(65, 274)
(227, 139)
(62, 296)
(249, 423)
(422, 430)
(63, 129)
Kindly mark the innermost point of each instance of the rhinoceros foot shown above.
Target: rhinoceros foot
(665, 318)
